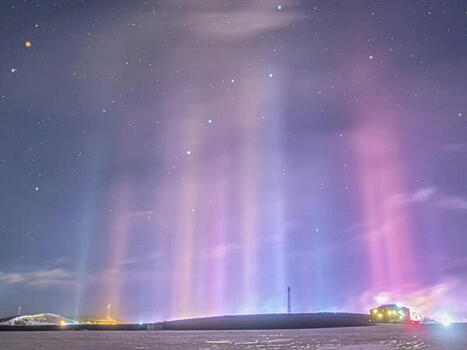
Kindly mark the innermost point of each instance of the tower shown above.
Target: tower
(289, 302)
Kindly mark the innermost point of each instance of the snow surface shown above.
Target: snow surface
(382, 337)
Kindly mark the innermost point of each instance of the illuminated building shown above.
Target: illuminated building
(44, 319)
(391, 313)
(98, 320)
(49, 319)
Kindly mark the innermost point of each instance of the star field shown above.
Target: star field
(190, 158)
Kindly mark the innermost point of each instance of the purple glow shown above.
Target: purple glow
(246, 146)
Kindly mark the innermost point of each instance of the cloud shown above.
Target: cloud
(421, 195)
(251, 20)
(239, 25)
(430, 195)
(10, 278)
(54, 277)
(456, 147)
(452, 202)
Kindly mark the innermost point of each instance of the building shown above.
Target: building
(98, 320)
(391, 313)
(44, 319)
(48, 319)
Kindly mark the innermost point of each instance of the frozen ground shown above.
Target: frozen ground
(364, 338)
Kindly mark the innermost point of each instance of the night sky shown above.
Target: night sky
(189, 158)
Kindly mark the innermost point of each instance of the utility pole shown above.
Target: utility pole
(289, 302)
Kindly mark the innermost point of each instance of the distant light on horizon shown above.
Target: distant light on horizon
(445, 320)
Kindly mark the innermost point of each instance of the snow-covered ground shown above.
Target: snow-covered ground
(380, 337)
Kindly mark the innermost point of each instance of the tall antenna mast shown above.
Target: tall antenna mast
(289, 302)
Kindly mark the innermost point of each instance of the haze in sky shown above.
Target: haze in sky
(192, 158)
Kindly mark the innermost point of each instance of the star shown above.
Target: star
(210, 121)
(459, 115)
(370, 57)
(188, 152)
(27, 44)
(279, 7)
(270, 75)
(14, 70)
(36, 188)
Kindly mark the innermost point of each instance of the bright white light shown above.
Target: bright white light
(271, 75)
(279, 7)
(445, 320)
(188, 152)
(13, 70)
(209, 121)
(141, 323)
